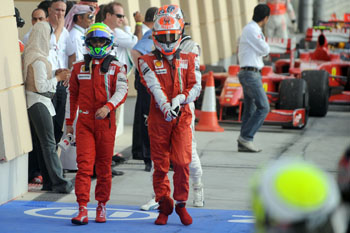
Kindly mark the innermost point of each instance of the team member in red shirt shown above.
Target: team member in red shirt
(98, 86)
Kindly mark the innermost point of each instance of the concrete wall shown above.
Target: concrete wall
(15, 140)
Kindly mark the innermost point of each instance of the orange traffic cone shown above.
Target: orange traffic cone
(208, 120)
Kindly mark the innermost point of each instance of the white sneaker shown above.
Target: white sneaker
(198, 195)
(151, 205)
(246, 146)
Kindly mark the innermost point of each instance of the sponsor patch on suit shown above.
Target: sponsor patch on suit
(161, 71)
(83, 70)
(158, 64)
(84, 76)
(183, 64)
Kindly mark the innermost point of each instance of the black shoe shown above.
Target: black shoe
(117, 173)
(118, 158)
(148, 167)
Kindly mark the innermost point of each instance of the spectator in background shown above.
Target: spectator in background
(38, 15)
(45, 6)
(69, 4)
(123, 37)
(277, 26)
(92, 3)
(99, 16)
(252, 48)
(77, 21)
(40, 87)
(97, 93)
(140, 141)
(62, 55)
(291, 196)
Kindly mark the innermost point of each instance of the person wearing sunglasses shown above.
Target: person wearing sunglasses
(115, 18)
(78, 19)
(97, 87)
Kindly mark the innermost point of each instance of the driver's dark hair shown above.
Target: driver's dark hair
(260, 12)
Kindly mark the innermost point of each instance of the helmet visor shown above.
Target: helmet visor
(98, 33)
(98, 40)
(167, 38)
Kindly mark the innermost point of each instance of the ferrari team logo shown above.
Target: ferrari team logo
(158, 64)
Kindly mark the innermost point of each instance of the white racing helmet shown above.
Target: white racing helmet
(167, 29)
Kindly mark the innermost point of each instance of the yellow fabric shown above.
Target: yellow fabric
(302, 186)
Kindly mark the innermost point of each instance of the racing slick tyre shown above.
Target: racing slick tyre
(318, 85)
(294, 94)
(347, 84)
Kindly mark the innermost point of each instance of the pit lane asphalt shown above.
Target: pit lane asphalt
(227, 173)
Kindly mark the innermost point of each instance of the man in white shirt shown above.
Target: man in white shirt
(62, 56)
(252, 48)
(78, 19)
(38, 15)
(123, 37)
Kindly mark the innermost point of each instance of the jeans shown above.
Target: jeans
(44, 147)
(256, 105)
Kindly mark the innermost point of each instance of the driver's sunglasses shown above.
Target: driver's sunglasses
(99, 40)
(120, 16)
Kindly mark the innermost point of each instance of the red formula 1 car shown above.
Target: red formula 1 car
(288, 96)
(327, 76)
(334, 22)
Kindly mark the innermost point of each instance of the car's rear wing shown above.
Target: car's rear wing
(333, 35)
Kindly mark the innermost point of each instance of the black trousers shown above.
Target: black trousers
(59, 102)
(140, 140)
(44, 148)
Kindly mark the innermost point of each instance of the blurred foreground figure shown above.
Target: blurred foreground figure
(344, 182)
(294, 196)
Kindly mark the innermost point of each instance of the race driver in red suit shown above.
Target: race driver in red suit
(98, 85)
(169, 75)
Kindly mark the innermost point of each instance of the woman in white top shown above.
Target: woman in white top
(40, 85)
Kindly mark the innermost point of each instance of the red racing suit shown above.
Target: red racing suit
(89, 91)
(170, 140)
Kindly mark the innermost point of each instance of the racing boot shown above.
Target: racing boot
(82, 218)
(101, 213)
(166, 207)
(198, 195)
(180, 209)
